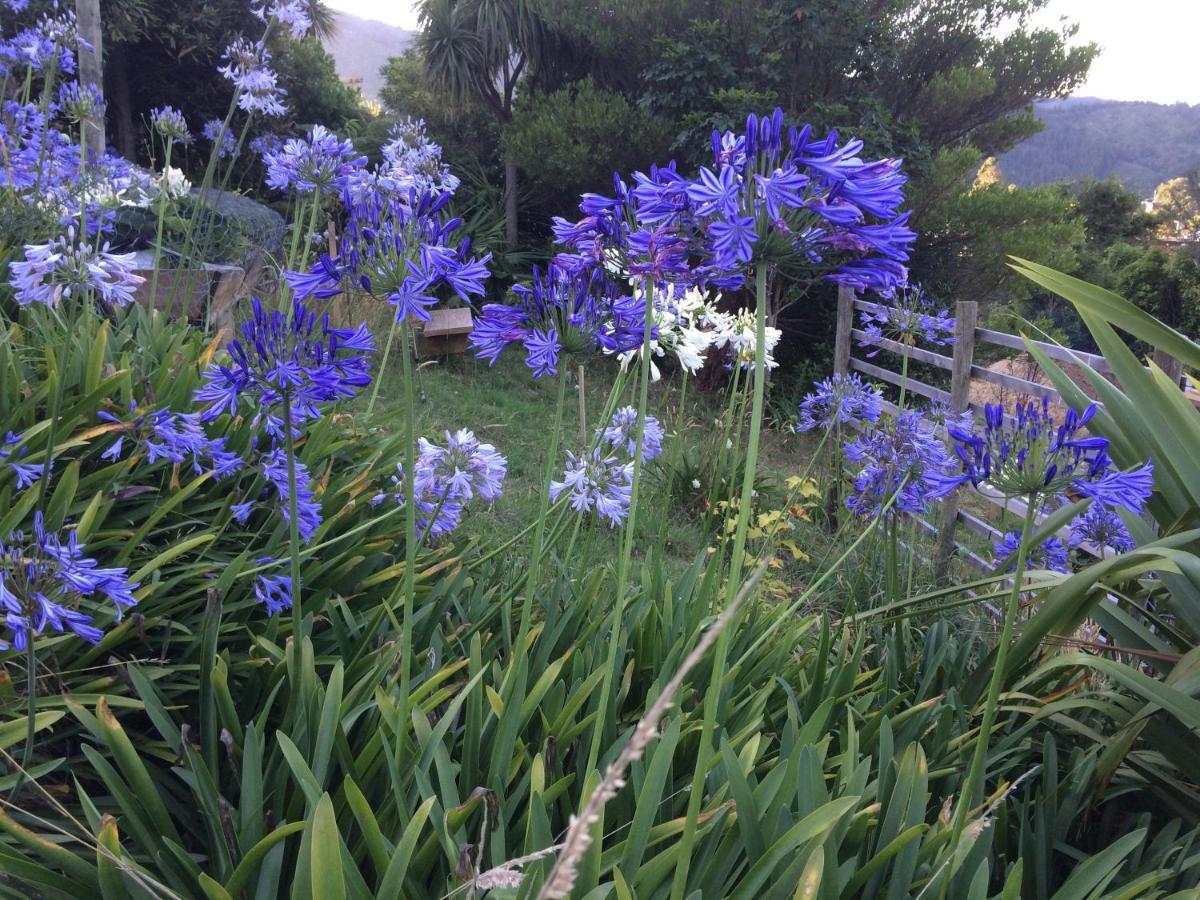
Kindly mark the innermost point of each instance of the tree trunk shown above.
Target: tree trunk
(91, 67)
(121, 102)
(510, 202)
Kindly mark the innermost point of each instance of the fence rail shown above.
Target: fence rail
(963, 371)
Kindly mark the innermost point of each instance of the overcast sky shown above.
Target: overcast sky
(1148, 46)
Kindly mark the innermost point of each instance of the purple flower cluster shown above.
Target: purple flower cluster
(1102, 528)
(911, 315)
(298, 361)
(12, 450)
(274, 468)
(247, 66)
(221, 137)
(43, 580)
(398, 249)
(900, 457)
(273, 591)
(447, 478)
(317, 162)
(173, 436)
(559, 311)
(1031, 455)
(595, 481)
(1049, 553)
(621, 433)
(79, 102)
(170, 125)
(290, 13)
(414, 162)
(840, 400)
(66, 268)
(48, 46)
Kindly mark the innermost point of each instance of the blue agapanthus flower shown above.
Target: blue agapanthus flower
(899, 457)
(621, 433)
(170, 125)
(223, 140)
(317, 162)
(396, 247)
(65, 269)
(1103, 528)
(247, 66)
(80, 102)
(301, 361)
(910, 316)
(559, 311)
(273, 591)
(447, 478)
(413, 161)
(44, 579)
(596, 481)
(274, 468)
(1031, 454)
(164, 434)
(1048, 553)
(840, 400)
(12, 450)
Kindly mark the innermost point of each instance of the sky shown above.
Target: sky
(1148, 46)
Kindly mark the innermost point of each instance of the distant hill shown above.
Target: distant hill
(1142, 144)
(360, 47)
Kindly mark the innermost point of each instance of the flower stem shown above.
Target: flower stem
(30, 713)
(158, 228)
(614, 637)
(410, 521)
(387, 351)
(975, 774)
(721, 652)
(293, 521)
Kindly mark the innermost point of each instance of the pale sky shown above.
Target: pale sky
(1148, 46)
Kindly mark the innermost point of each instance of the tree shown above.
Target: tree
(1112, 214)
(1177, 203)
(479, 50)
(989, 174)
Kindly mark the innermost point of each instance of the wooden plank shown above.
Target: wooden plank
(1054, 351)
(916, 353)
(845, 324)
(978, 525)
(916, 387)
(966, 315)
(1015, 383)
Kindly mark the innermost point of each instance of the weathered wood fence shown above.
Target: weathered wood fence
(943, 524)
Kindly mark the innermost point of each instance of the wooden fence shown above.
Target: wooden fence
(964, 370)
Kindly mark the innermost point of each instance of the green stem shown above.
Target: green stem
(312, 226)
(387, 351)
(903, 378)
(614, 637)
(293, 522)
(30, 713)
(158, 228)
(721, 651)
(975, 774)
(410, 523)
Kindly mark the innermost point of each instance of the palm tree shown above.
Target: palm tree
(478, 50)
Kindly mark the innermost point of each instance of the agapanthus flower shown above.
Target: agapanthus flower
(317, 162)
(739, 333)
(910, 316)
(174, 436)
(65, 268)
(274, 468)
(596, 481)
(413, 162)
(291, 13)
(273, 591)
(1049, 553)
(944, 415)
(12, 451)
(447, 478)
(1031, 455)
(1103, 528)
(621, 433)
(44, 579)
(684, 324)
(558, 312)
(396, 249)
(840, 400)
(80, 102)
(900, 456)
(300, 361)
(222, 138)
(170, 124)
(247, 65)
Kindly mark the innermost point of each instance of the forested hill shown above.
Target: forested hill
(1143, 144)
(360, 47)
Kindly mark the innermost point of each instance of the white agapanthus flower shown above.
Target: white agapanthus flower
(678, 315)
(739, 334)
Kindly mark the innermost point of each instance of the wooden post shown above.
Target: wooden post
(1170, 365)
(966, 315)
(845, 324)
(91, 67)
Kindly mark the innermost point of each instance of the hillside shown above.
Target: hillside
(1142, 144)
(360, 47)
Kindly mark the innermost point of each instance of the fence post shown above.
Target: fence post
(966, 315)
(845, 324)
(1170, 365)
